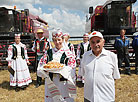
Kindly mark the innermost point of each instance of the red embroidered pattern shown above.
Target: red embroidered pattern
(20, 81)
(21, 70)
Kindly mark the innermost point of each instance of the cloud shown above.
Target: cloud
(68, 15)
(81, 5)
(68, 22)
(58, 18)
(32, 9)
(135, 7)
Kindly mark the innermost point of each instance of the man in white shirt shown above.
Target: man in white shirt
(100, 69)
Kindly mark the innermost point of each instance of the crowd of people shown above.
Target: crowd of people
(98, 67)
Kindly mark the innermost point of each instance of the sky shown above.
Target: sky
(68, 15)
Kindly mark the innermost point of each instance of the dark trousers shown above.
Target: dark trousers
(124, 58)
(39, 79)
(136, 62)
(136, 58)
(85, 100)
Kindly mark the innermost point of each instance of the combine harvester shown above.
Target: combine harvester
(14, 21)
(109, 18)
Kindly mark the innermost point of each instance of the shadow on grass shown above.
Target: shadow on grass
(6, 85)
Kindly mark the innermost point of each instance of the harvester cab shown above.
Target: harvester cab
(112, 16)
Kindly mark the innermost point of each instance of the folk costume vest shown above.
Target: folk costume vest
(14, 50)
(82, 49)
(63, 60)
(69, 45)
(41, 45)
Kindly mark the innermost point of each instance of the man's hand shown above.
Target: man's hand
(9, 66)
(47, 48)
(28, 63)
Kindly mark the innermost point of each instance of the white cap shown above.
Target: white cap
(17, 35)
(66, 34)
(96, 33)
(86, 35)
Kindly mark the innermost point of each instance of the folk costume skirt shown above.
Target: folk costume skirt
(22, 75)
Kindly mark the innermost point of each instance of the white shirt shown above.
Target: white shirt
(57, 54)
(99, 74)
(85, 48)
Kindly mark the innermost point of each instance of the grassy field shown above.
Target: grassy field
(126, 90)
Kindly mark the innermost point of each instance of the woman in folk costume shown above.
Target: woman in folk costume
(68, 45)
(18, 60)
(66, 37)
(63, 56)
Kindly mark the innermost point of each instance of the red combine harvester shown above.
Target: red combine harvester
(109, 18)
(14, 21)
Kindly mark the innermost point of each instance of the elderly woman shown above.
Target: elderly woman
(18, 60)
(63, 56)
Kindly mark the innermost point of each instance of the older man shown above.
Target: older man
(100, 69)
(121, 46)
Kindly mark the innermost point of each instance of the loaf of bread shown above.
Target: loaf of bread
(53, 65)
